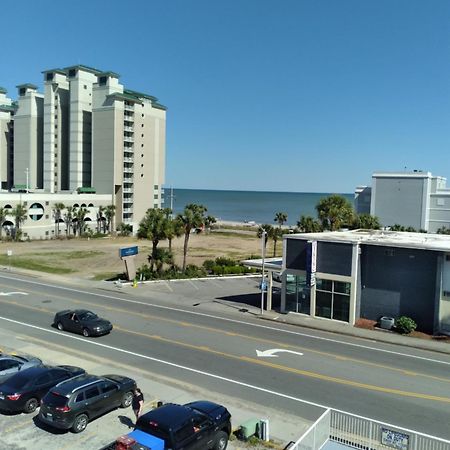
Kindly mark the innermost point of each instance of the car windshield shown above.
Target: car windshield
(88, 315)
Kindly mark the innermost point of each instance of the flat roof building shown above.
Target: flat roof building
(412, 199)
(368, 274)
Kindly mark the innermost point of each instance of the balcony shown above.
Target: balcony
(128, 107)
(127, 159)
(128, 190)
(128, 170)
(128, 128)
(128, 210)
(128, 139)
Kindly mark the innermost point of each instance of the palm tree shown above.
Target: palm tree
(276, 234)
(334, 212)
(68, 217)
(57, 210)
(308, 224)
(191, 218)
(20, 215)
(109, 214)
(3, 214)
(366, 222)
(209, 220)
(174, 227)
(280, 218)
(100, 219)
(80, 215)
(154, 227)
(268, 229)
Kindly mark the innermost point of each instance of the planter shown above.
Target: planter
(386, 323)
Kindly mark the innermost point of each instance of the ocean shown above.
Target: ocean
(241, 206)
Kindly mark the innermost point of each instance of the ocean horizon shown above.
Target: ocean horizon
(245, 206)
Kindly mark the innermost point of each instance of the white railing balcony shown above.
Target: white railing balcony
(128, 139)
(128, 210)
(128, 190)
(128, 128)
(128, 107)
(128, 159)
(127, 178)
(128, 170)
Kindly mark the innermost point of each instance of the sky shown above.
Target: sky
(271, 95)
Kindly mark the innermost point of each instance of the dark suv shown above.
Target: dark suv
(23, 390)
(73, 403)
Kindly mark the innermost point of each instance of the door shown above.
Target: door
(111, 397)
(93, 401)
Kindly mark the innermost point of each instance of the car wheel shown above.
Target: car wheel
(86, 332)
(80, 423)
(31, 405)
(60, 326)
(126, 400)
(221, 441)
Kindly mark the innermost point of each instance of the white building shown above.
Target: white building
(413, 199)
(86, 134)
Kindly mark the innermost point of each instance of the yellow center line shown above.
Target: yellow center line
(292, 369)
(239, 335)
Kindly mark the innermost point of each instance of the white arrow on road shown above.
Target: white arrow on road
(12, 293)
(271, 352)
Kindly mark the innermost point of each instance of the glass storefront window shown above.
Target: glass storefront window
(333, 299)
(324, 285)
(343, 288)
(297, 294)
(323, 304)
(341, 307)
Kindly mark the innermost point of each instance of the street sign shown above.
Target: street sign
(9, 252)
(263, 286)
(128, 251)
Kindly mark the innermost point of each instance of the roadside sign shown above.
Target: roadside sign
(128, 251)
(9, 252)
(263, 286)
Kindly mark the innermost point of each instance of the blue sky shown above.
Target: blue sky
(279, 95)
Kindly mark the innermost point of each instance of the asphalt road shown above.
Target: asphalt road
(215, 344)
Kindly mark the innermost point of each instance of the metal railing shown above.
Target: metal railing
(360, 432)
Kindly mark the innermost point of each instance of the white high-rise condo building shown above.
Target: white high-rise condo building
(86, 134)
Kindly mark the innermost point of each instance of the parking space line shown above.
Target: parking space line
(193, 284)
(167, 285)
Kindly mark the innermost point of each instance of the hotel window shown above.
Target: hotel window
(155, 196)
(333, 299)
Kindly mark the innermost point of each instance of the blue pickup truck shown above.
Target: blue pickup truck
(200, 425)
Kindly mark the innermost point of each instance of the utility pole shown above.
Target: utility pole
(263, 281)
(171, 202)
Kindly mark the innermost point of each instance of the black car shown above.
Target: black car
(73, 403)
(197, 425)
(24, 390)
(82, 321)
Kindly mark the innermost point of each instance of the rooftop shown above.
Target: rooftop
(425, 241)
(3, 90)
(27, 85)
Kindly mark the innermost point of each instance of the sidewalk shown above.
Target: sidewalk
(379, 335)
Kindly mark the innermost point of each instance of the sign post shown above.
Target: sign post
(128, 255)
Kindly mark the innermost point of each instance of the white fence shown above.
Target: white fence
(363, 433)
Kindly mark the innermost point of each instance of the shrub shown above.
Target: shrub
(208, 264)
(221, 261)
(405, 325)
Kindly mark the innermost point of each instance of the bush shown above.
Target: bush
(221, 261)
(405, 325)
(209, 264)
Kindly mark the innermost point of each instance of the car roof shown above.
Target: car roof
(168, 416)
(68, 386)
(32, 372)
(21, 358)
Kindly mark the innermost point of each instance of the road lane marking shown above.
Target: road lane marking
(215, 330)
(6, 294)
(250, 324)
(271, 353)
(189, 369)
